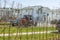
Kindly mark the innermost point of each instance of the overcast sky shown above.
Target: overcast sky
(52, 4)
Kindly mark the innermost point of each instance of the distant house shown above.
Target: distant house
(37, 11)
(44, 14)
(5, 14)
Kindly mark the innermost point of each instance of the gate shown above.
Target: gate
(42, 29)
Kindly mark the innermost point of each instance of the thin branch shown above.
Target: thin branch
(5, 3)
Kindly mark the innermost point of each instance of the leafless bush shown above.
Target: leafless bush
(54, 21)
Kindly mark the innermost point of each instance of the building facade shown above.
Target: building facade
(39, 13)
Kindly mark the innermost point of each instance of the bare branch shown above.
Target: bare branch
(5, 3)
(13, 4)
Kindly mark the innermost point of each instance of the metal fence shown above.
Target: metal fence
(41, 31)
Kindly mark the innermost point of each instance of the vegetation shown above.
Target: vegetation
(54, 21)
(14, 29)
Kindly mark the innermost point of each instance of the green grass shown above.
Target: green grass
(6, 29)
(51, 36)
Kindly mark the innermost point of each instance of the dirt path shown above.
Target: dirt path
(24, 33)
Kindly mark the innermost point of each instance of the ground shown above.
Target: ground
(8, 29)
(49, 36)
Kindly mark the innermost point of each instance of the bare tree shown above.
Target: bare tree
(13, 4)
(12, 8)
(18, 9)
(0, 4)
(5, 3)
(19, 6)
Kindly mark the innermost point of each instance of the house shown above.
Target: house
(36, 11)
(44, 14)
(40, 13)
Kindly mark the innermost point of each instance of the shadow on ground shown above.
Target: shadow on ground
(56, 32)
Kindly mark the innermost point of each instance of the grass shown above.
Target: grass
(9, 29)
(51, 36)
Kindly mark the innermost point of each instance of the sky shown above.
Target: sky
(52, 4)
